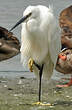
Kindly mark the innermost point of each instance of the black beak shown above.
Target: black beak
(20, 21)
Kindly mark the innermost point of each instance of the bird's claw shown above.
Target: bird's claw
(30, 64)
(42, 104)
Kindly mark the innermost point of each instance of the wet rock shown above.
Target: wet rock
(10, 89)
(22, 77)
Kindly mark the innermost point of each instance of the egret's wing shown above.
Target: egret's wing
(55, 44)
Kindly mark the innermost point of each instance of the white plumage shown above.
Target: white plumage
(40, 38)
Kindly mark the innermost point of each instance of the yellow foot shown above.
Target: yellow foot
(30, 64)
(40, 103)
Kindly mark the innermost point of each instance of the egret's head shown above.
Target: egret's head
(31, 12)
(34, 10)
(36, 15)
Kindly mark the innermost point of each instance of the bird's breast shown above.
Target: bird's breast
(34, 44)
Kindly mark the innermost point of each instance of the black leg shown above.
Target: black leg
(38, 66)
(40, 77)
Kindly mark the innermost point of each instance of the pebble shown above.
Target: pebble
(20, 82)
(67, 96)
(5, 85)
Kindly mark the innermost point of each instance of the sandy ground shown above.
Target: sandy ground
(20, 93)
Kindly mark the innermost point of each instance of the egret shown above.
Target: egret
(40, 40)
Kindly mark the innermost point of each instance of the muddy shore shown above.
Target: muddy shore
(20, 93)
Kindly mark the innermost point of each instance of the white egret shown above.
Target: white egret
(40, 40)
